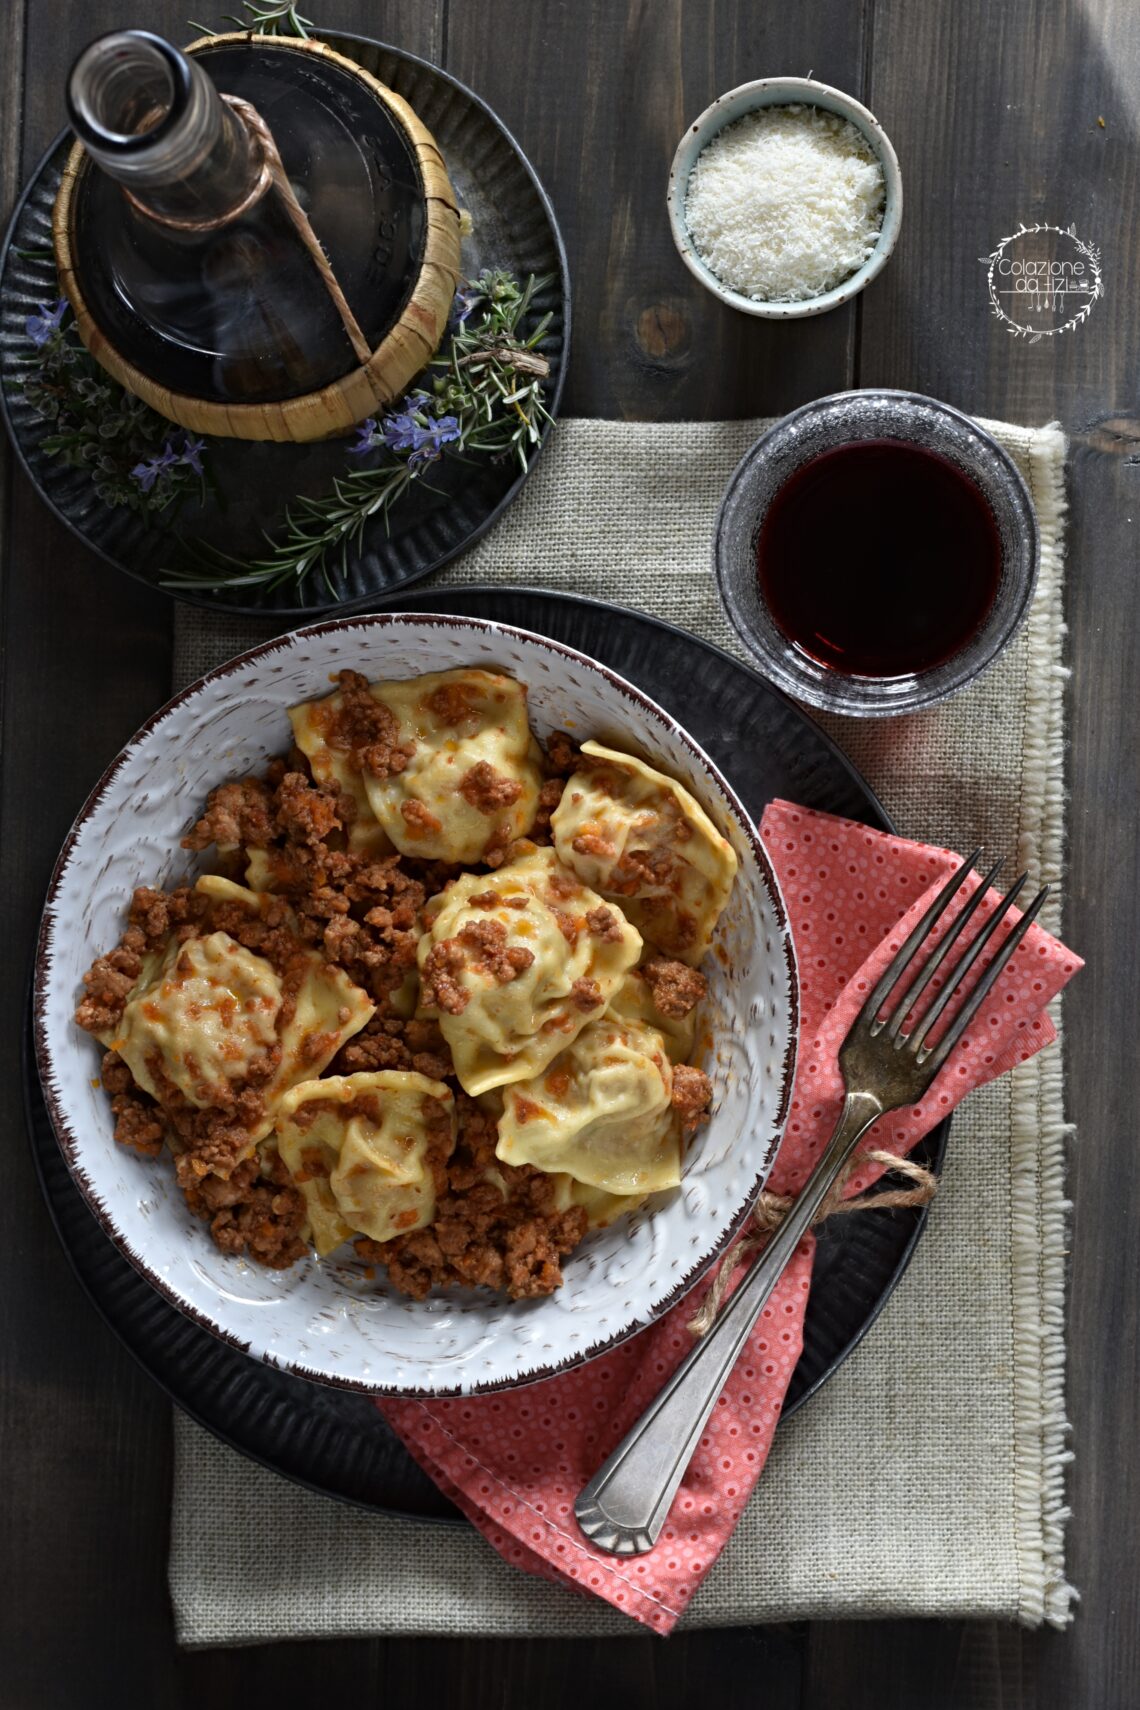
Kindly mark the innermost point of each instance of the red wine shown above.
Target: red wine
(879, 559)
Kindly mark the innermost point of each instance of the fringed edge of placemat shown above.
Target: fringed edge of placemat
(1040, 1132)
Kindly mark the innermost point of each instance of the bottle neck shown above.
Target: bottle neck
(153, 120)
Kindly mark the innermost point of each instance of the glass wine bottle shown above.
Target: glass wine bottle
(190, 259)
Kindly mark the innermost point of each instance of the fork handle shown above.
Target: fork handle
(625, 1504)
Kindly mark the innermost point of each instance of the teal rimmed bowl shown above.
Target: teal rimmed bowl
(737, 104)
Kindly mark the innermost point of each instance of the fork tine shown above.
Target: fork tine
(929, 968)
(921, 1032)
(886, 982)
(978, 996)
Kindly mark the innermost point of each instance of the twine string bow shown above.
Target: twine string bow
(772, 1208)
(270, 175)
(273, 167)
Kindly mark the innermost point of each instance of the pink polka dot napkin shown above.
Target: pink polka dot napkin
(515, 1462)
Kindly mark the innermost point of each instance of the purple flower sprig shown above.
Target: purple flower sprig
(42, 328)
(411, 431)
(156, 469)
(133, 456)
(466, 300)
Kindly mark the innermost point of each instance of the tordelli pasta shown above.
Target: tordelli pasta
(491, 949)
(642, 839)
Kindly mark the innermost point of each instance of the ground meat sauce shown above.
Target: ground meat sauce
(139, 1122)
(549, 796)
(676, 987)
(386, 1042)
(419, 821)
(692, 1091)
(563, 756)
(500, 846)
(592, 843)
(108, 983)
(363, 728)
(255, 1213)
(450, 703)
(237, 813)
(604, 924)
(489, 953)
(496, 1225)
(487, 790)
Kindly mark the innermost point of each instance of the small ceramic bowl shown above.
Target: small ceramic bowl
(842, 419)
(783, 92)
(324, 1320)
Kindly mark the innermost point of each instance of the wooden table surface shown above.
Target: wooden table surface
(994, 107)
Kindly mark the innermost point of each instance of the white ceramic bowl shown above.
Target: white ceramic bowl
(324, 1321)
(783, 92)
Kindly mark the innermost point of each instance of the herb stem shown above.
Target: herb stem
(485, 398)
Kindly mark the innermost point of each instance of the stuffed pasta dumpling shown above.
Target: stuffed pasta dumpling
(639, 836)
(444, 764)
(515, 963)
(361, 1148)
(334, 734)
(601, 1208)
(634, 1000)
(209, 1016)
(602, 1112)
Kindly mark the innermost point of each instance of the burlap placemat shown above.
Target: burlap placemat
(927, 1476)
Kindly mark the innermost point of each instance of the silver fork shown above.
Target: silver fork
(625, 1504)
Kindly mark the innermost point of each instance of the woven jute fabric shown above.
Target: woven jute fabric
(927, 1477)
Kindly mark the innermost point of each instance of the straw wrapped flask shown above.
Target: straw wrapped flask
(257, 236)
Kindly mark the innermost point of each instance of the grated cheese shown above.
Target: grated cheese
(786, 203)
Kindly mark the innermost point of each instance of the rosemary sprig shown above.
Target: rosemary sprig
(265, 18)
(483, 399)
(134, 457)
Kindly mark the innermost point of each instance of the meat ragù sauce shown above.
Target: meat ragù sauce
(495, 1225)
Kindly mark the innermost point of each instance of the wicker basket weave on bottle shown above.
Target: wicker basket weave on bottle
(400, 355)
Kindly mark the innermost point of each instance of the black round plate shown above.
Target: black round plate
(336, 1442)
(513, 228)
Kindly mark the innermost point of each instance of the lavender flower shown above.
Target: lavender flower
(146, 474)
(192, 450)
(367, 438)
(410, 429)
(446, 430)
(431, 440)
(401, 431)
(465, 301)
(44, 326)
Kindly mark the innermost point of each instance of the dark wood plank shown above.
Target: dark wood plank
(735, 1671)
(599, 98)
(943, 1665)
(1002, 128)
(994, 113)
(86, 1468)
(85, 1434)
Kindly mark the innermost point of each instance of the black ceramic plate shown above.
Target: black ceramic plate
(336, 1442)
(513, 228)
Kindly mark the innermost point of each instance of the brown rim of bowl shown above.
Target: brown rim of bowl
(69, 1145)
